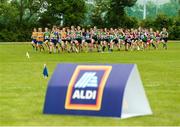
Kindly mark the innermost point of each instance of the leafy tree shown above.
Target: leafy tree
(100, 10)
(135, 11)
(158, 23)
(110, 13)
(174, 30)
(8, 15)
(17, 17)
(28, 10)
(116, 13)
(73, 12)
(162, 21)
(147, 23)
(88, 15)
(130, 22)
(8, 20)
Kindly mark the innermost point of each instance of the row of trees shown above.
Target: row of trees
(171, 23)
(171, 9)
(18, 17)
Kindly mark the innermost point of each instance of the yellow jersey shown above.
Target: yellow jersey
(34, 35)
(40, 36)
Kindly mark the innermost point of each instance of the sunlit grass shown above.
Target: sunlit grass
(22, 87)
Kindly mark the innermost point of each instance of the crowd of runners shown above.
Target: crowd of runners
(77, 39)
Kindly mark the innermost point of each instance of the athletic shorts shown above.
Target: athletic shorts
(88, 40)
(115, 41)
(145, 41)
(79, 40)
(54, 41)
(95, 38)
(34, 41)
(64, 40)
(101, 39)
(136, 39)
(107, 40)
(39, 42)
(98, 41)
(128, 42)
(68, 40)
(165, 39)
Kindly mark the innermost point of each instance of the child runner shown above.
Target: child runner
(164, 37)
(40, 39)
(158, 38)
(128, 40)
(152, 38)
(34, 38)
(47, 38)
(88, 39)
(54, 39)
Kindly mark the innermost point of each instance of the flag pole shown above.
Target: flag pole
(144, 14)
(156, 7)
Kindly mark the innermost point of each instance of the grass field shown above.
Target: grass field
(22, 88)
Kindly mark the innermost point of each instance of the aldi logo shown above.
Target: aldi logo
(85, 89)
(89, 79)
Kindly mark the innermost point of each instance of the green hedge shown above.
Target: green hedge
(18, 36)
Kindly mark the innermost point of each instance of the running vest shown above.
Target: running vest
(87, 35)
(63, 35)
(54, 35)
(46, 35)
(164, 34)
(34, 35)
(40, 36)
(78, 34)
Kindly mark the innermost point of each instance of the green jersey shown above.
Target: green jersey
(78, 35)
(111, 37)
(122, 37)
(46, 35)
(164, 34)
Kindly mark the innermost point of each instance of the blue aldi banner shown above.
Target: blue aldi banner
(111, 90)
